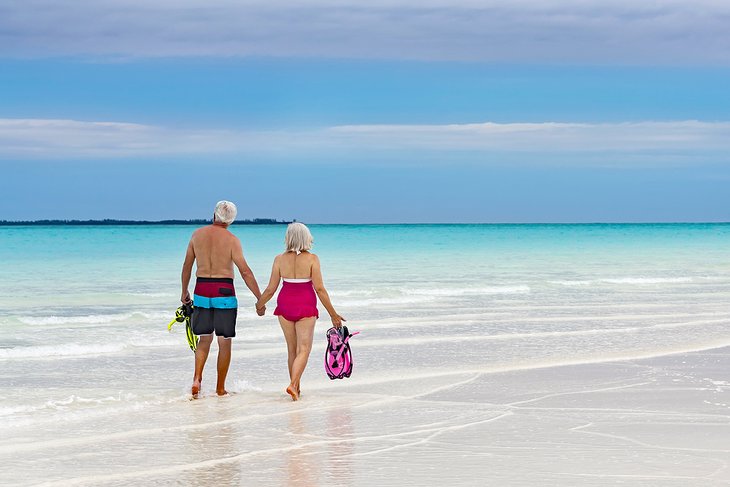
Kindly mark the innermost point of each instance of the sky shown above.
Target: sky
(387, 111)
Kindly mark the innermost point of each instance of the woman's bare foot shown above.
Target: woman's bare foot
(195, 389)
(222, 392)
(294, 394)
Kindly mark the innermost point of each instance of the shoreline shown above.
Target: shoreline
(656, 421)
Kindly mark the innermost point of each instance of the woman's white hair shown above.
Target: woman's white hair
(298, 238)
(225, 212)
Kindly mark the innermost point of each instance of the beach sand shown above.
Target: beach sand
(661, 421)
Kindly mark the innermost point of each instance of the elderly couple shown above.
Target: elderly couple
(215, 250)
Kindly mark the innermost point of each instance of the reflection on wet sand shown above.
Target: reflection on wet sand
(339, 425)
(328, 462)
(218, 442)
(302, 463)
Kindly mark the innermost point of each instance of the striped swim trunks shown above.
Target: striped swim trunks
(215, 307)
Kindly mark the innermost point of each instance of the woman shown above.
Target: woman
(297, 303)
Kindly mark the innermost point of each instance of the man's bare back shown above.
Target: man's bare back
(214, 247)
(216, 250)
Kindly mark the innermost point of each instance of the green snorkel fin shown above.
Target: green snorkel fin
(183, 314)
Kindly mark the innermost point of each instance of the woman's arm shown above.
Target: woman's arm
(324, 297)
(271, 288)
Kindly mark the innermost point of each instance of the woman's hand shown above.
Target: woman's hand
(260, 309)
(337, 320)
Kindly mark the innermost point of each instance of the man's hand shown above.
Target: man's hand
(261, 311)
(185, 297)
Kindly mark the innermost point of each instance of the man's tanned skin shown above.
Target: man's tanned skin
(215, 250)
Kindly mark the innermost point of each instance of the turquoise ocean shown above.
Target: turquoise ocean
(85, 346)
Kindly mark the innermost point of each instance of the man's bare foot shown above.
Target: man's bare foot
(222, 392)
(294, 394)
(195, 389)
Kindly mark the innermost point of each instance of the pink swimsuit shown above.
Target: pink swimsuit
(297, 300)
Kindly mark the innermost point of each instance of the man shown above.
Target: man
(215, 250)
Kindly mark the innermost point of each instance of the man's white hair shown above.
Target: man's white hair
(225, 212)
(298, 238)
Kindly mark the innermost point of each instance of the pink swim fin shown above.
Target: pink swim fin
(338, 356)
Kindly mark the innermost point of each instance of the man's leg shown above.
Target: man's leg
(224, 361)
(201, 355)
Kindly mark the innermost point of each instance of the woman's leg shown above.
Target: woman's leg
(304, 334)
(290, 335)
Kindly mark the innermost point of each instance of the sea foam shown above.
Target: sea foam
(89, 319)
(76, 350)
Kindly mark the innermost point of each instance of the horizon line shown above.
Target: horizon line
(273, 221)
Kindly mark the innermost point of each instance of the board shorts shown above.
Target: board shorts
(297, 300)
(215, 307)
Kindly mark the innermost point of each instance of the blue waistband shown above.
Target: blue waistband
(225, 302)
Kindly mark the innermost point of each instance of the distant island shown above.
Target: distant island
(255, 221)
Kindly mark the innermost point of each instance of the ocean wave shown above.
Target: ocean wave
(69, 349)
(571, 283)
(443, 290)
(89, 319)
(623, 280)
(354, 292)
(76, 350)
(648, 280)
(358, 303)
(62, 404)
(469, 291)
(414, 296)
(147, 295)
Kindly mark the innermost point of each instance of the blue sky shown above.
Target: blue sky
(395, 111)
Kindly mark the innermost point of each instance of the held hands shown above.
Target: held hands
(260, 309)
(337, 320)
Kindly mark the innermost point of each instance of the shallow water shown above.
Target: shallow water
(86, 352)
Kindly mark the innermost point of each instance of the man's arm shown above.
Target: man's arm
(187, 271)
(245, 270)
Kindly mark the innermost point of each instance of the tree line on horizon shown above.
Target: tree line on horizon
(109, 221)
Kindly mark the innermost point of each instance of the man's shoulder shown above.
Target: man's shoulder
(213, 229)
(201, 231)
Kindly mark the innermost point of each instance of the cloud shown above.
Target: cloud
(547, 136)
(673, 142)
(51, 138)
(673, 32)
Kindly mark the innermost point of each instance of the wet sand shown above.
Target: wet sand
(661, 421)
